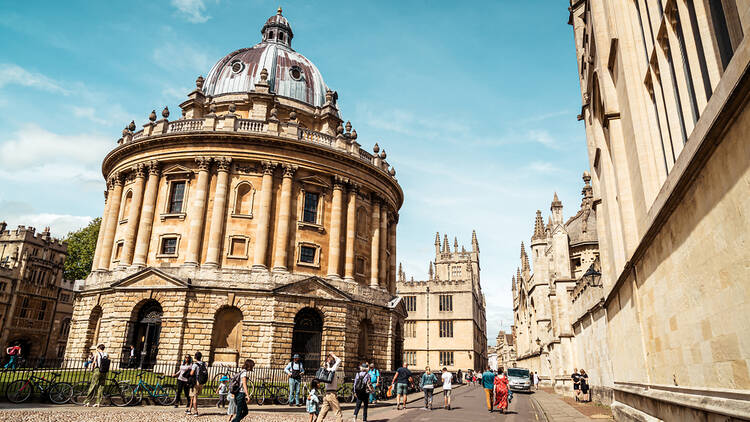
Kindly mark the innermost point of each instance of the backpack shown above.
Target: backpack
(104, 363)
(362, 384)
(201, 376)
(235, 386)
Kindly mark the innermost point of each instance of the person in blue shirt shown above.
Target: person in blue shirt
(294, 370)
(375, 379)
(488, 382)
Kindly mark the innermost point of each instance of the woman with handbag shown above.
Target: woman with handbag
(327, 375)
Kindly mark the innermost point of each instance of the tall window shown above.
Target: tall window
(446, 328)
(307, 254)
(176, 197)
(42, 311)
(446, 358)
(456, 272)
(310, 210)
(410, 358)
(411, 303)
(362, 222)
(24, 308)
(410, 329)
(446, 303)
(169, 246)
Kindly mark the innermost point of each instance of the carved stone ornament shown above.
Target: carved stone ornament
(232, 108)
(223, 163)
(289, 170)
(339, 182)
(354, 133)
(131, 126)
(376, 148)
(383, 155)
(117, 179)
(238, 168)
(348, 127)
(268, 167)
(165, 112)
(392, 171)
(139, 170)
(152, 116)
(264, 75)
(203, 163)
(212, 108)
(293, 115)
(154, 168)
(199, 82)
(353, 187)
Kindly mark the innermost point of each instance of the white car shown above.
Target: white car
(519, 379)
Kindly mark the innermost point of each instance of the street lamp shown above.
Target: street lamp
(592, 277)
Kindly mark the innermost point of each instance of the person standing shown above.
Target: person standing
(535, 380)
(295, 371)
(241, 395)
(198, 377)
(362, 389)
(375, 379)
(330, 401)
(99, 369)
(488, 382)
(401, 380)
(427, 383)
(501, 390)
(447, 388)
(222, 391)
(576, 384)
(131, 359)
(183, 386)
(459, 377)
(584, 380)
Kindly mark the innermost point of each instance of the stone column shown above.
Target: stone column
(264, 216)
(375, 250)
(102, 229)
(135, 211)
(392, 244)
(334, 240)
(383, 243)
(218, 213)
(115, 196)
(285, 213)
(351, 232)
(147, 215)
(197, 211)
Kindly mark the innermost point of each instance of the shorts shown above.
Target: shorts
(195, 390)
(402, 388)
(447, 393)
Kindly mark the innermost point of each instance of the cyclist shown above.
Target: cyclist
(99, 368)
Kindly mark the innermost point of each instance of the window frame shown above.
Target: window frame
(410, 299)
(447, 358)
(298, 260)
(175, 175)
(125, 207)
(357, 259)
(312, 185)
(117, 250)
(445, 303)
(445, 328)
(230, 238)
(160, 245)
(236, 197)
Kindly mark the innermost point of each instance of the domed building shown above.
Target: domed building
(253, 226)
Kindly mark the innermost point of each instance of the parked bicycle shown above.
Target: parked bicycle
(21, 390)
(345, 392)
(163, 394)
(267, 391)
(116, 392)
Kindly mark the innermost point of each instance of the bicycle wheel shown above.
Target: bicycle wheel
(60, 392)
(166, 395)
(260, 396)
(19, 391)
(120, 394)
(282, 395)
(80, 391)
(250, 388)
(215, 380)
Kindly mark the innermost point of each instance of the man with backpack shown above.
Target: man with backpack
(198, 378)
(362, 390)
(295, 371)
(100, 367)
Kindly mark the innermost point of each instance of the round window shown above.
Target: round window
(296, 73)
(237, 66)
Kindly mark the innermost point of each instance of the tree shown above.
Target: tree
(81, 247)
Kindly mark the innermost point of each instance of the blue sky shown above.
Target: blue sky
(475, 104)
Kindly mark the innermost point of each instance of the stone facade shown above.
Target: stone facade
(505, 348)
(548, 304)
(36, 302)
(664, 87)
(254, 226)
(447, 323)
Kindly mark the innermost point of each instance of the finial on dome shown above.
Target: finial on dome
(340, 129)
(278, 12)
(199, 82)
(125, 132)
(383, 154)
(152, 116)
(165, 112)
(131, 126)
(392, 171)
(376, 148)
(232, 107)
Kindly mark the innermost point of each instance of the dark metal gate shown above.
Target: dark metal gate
(307, 337)
(145, 334)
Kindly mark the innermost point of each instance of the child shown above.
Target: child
(313, 402)
(232, 409)
(222, 391)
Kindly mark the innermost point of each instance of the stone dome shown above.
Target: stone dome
(290, 74)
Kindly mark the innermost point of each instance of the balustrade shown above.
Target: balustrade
(247, 125)
(185, 125)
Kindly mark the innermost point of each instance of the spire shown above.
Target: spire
(401, 275)
(538, 227)
(474, 242)
(455, 244)
(556, 208)
(524, 260)
(446, 248)
(430, 272)
(514, 286)
(518, 274)
(437, 244)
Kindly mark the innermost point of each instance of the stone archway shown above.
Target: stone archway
(145, 332)
(226, 337)
(364, 343)
(92, 330)
(307, 336)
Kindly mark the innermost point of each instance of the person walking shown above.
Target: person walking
(312, 406)
(576, 384)
(447, 388)
(375, 379)
(294, 371)
(222, 391)
(427, 383)
(330, 401)
(501, 391)
(401, 380)
(488, 382)
(99, 369)
(535, 380)
(183, 385)
(585, 391)
(132, 362)
(13, 352)
(362, 389)
(239, 389)
(459, 377)
(198, 378)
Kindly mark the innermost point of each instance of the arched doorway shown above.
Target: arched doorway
(226, 336)
(307, 337)
(145, 333)
(364, 344)
(92, 330)
(398, 347)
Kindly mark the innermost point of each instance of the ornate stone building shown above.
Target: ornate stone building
(253, 226)
(545, 301)
(36, 302)
(665, 87)
(505, 348)
(447, 323)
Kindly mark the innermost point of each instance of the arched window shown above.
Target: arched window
(307, 336)
(226, 338)
(126, 205)
(362, 222)
(145, 331)
(243, 199)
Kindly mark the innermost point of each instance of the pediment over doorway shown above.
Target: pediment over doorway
(150, 278)
(313, 287)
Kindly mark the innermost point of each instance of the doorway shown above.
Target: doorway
(146, 330)
(307, 337)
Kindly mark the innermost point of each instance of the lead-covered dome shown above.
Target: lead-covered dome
(290, 74)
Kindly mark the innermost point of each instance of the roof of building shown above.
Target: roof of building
(581, 227)
(290, 74)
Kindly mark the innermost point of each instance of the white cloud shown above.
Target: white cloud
(181, 56)
(60, 224)
(543, 137)
(12, 74)
(192, 10)
(543, 167)
(32, 146)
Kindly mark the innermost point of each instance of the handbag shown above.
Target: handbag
(390, 391)
(324, 375)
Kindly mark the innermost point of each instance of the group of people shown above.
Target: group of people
(428, 383)
(581, 385)
(496, 390)
(192, 375)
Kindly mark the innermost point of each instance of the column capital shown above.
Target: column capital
(106, 194)
(223, 163)
(203, 163)
(392, 217)
(139, 171)
(353, 188)
(267, 167)
(289, 170)
(377, 199)
(116, 179)
(339, 182)
(154, 168)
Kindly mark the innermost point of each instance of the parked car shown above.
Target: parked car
(519, 379)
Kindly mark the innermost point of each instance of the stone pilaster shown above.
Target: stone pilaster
(285, 213)
(375, 250)
(102, 228)
(218, 213)
(351, 232)
(197, 211)
(334, 241)
(392, 245)
(264, 216)
(115, 198)
(147, 215)
(135, 211)
(383, 243)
